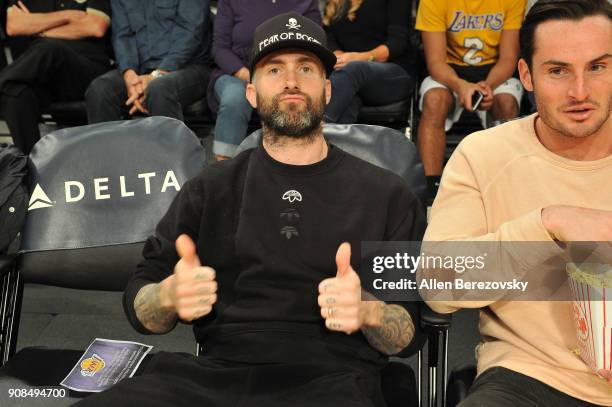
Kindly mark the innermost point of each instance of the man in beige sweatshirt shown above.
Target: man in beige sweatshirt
(543, 178)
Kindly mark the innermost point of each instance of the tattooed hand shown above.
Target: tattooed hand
(340, 297)
(346, 308)
(192, 290)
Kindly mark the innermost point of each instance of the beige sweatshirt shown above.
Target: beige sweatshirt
(494, 188)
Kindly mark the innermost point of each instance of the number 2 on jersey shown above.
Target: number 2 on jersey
(474, 44)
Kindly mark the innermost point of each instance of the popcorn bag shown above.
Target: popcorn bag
(591, 287)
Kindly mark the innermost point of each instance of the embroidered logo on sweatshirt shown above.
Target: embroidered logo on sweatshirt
(292, 196)
(289, 232)
(291, 215)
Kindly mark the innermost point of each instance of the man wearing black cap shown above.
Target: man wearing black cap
(251, 252)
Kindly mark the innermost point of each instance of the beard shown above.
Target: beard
(297, 121)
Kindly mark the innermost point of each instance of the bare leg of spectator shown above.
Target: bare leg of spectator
(504, 107)
(432, 138)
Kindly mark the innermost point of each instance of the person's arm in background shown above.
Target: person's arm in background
(332, 42)
(95, 23)
(20, 21)
(187, 35)
(398, 31)
(509, 47)
(123, 39)
(225, 58)
(126, 55)
(508, 57)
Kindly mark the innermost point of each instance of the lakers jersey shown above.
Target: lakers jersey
(473, 27)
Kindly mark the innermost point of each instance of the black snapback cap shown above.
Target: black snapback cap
(291, 30)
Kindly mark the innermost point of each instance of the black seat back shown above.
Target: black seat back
(97, 193)
(382, 146)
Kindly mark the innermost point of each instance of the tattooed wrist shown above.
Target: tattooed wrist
(395, 332)
(150, 312)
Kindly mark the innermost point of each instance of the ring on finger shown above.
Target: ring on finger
(330, 312)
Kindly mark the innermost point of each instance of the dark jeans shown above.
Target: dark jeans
(501, 387)
(365, 83)
(165, 96)
(48, 71)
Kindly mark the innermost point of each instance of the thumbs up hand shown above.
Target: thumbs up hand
(340, 296)
(192, 290)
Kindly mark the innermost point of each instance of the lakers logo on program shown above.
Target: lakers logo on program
(92, 365)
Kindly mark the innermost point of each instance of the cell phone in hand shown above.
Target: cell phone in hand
(477, 99)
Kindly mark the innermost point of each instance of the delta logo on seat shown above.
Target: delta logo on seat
(74, 191)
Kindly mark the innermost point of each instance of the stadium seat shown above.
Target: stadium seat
(385, 147)
(395, 115)
(89, 215)
(67, 114)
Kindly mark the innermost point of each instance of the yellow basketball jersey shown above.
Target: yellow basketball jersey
(473, 27)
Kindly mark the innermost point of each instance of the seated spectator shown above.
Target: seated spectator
(66, 51)
(281, 315)
(162, 52)
(234, 26)
(371, 41)
(470, 46)
(540, 179)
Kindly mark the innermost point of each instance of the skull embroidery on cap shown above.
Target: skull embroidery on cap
(293, 24)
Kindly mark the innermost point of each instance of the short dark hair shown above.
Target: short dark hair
(546, 10)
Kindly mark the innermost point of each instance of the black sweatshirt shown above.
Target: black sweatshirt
(271, 232)
(377, 22)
